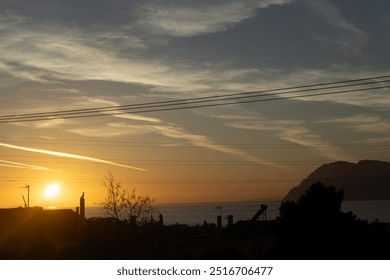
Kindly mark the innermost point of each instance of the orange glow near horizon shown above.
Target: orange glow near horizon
(168, 174)
(165, 184)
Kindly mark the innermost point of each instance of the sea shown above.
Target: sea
(197, 213)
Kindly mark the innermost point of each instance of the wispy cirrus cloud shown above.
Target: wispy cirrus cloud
(51, 53)
(35, 52)
(363, 122)
(87, 101)
(294, 131)
(184, 19)
(113, 129)
(376, 98)
(316, 144)
(174, 131)
(13, 164)
(68, 155)
(377, 140)
(352, 38)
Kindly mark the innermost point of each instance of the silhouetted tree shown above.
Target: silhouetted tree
(125, 205)
(315, 227)
(319, 203)
(113, 203)
(138, 208)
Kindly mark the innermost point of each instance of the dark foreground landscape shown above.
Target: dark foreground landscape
(313, 227)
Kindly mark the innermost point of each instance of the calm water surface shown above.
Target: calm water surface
(197, 213)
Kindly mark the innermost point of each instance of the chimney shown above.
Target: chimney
(219, 222)
(82, 206)
(161, 220)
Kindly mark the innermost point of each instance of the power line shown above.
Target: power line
(167, 105)
(188, 181)
(209, 101)
(200, 99)
(162, 181)
(190, 163)
(114, 143)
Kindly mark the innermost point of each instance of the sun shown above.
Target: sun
(52, 190)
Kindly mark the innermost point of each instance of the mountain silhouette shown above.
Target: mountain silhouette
(365, 180)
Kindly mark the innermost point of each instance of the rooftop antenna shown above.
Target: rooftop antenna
(25, 204)
(28, 195)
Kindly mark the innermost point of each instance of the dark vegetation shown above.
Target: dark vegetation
(124, 205)
(313, 227)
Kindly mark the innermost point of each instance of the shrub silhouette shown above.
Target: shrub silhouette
(314, 227)
(318, 204)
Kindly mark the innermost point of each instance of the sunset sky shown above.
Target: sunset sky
(64, 55)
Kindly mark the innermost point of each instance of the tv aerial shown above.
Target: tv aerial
(26, 205)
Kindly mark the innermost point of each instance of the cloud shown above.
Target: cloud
(68, 155)
(41, 52)
(184, 18)
(362, 122)
(113, 130)
(173, 131)
(99, 102)
(376, 98)
(376, 140)
(50, 123)
(294, 131)
(353, 39)
(13, 164)
(315, 143)
(57, 53)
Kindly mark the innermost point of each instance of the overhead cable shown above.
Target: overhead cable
(313, 90)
